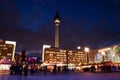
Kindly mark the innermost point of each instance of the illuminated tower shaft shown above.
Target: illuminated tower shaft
(56, 35)
(57, 22)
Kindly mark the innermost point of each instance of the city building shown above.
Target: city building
(7, 49)
(92, 55)
(56, 55)
(109, 53)
(64, 56)
(14, 44)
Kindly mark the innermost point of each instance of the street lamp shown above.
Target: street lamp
(87, 56)
(78, 47)
(103, 56)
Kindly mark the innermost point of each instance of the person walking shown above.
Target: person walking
(58, 69)
(55, 69)
(11, 69)
(26, 69)
(45, 70)
(32, 68)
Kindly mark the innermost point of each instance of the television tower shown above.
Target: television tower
(57, 22)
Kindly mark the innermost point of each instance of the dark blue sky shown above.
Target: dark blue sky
(93, 23)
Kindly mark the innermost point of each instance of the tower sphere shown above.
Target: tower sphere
(57, 18)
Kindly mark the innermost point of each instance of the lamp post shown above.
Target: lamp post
(103, 56)
(87, 55)
(78, 51)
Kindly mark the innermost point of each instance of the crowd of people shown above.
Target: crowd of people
(24, 68)
(103, 68)
(21, 68)
(56, 69)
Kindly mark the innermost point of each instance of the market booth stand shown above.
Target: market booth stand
(4, 66)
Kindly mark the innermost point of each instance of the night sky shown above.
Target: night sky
(93, 23)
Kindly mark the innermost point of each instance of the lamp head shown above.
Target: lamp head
(87, 49)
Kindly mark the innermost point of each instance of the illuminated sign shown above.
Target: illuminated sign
(116, 48)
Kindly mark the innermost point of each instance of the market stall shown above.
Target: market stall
(4, 65)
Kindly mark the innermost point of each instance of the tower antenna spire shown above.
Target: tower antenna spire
(56, 5)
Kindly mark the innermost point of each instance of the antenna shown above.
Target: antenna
(57, 11)
(56, 5)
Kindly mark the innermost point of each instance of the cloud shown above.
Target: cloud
(9, 14)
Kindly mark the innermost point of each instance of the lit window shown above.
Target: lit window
(51, 55)
(60, 50)
(47, 51)
(70, 51)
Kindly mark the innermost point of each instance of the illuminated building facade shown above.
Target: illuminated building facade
(6, 50)
(14, 47)
(64, 56)
(110, 53)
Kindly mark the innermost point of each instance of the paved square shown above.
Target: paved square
(64, 76)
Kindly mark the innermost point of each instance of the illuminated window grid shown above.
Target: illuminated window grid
(61, 54)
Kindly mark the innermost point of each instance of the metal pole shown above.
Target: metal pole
(87, 57)
(103, 58)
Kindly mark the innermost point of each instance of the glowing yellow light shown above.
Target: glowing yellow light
(103, 53)
(87, 49)
(78, 47)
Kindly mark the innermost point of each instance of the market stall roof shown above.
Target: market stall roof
(4, 61)
(105, 62)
